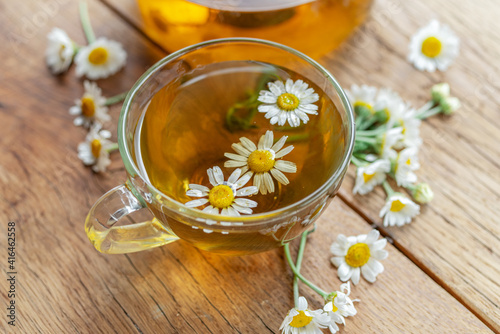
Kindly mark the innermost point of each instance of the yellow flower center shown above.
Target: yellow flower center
(368, 177)
(301, 320)
(260, 161)
(98, 56)
(357, 255)
(88, 107)
(61, 50)
(96, 146)
(431, 47)
(288, 102)
(408, 162)
(397, 206)
(221, 196)
(363, 104)
(334, 308)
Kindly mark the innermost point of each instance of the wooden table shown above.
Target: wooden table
(443, 270)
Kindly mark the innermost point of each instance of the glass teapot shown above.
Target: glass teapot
(314, 27)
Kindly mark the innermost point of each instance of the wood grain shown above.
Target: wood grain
(65, 286)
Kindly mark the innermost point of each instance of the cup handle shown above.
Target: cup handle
(109, 237)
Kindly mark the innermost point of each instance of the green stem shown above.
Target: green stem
(298, 265)
(371, 133)
(425, 107)
(367, 124)
(388, 189)
(430, 112)
(85, 20)
(115, 99)
(357, 162)
(322, 293)
(369, 140)
(298, 137)
(112, 147)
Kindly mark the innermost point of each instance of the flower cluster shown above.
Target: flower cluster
(99, 59)
(387, 144)
(301, 319)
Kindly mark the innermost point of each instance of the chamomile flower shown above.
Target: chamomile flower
(262, 161)
(369, 176)
(406, 164)
(59, 52)
(440, 92)
(450, 104)
(358, 255)
(290, 101)
(340, 307)
(434, 46)
(100, 59)
(301, 320)
(94, 151)
(222, 197)
(399, 210)
(91, 107)
(388, 105)
(410, 132)
(362, 99)
(387, 140)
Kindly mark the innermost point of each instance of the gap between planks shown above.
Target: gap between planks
(382, 230)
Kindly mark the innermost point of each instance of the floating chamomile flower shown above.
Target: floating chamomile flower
(340, 307)
(94, 151)
(406, 164)
(357, 255)
(262, 161)
(222, 197)
(399, 210)
(362, 99)
(433, 46)
(100, 59)
(290, 102)
(91, 107)
(59, 52)
(369, 176)
(301, 320)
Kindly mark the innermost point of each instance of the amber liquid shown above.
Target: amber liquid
(314, 28)
(184, 132)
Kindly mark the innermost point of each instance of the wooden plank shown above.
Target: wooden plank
(455, 239)
(66, 286)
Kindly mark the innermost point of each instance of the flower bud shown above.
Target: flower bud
(382, 116)
(422, 193)
(440, 92)
(363, 110)
(449, 105)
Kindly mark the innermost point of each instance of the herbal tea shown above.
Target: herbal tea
(193, 125)
(313, 27)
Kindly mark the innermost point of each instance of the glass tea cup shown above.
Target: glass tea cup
(112, 225)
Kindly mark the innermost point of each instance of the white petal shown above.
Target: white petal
(196, 203)
(355, 275)
(240, 149)
(233, 163)
(242, 209)
(219, 177)
(234, 176)
(268, 139)
(379, 244)
(282, 117)
(344, 271)
(302, 304)
(247, 191)
(211, 177)
(248, 144)
(232, 212)
(236, 157)
(268, 181)
(279, 144)
(372, 236)
(245, 202)
(279, 176)
(196, 193)
(198, 187)
(257, 182)
(244, 179)
(286, 166)
(284, 152)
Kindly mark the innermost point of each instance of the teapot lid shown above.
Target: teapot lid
(250, 5)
